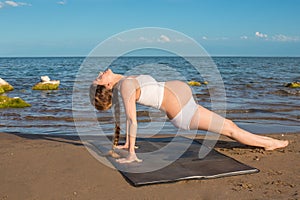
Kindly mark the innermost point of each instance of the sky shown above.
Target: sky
(223, 28)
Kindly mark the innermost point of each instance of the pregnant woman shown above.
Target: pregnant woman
(176, 100)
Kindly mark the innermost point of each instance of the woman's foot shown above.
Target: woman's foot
(113, 154)
(276, 144)
(125, 146)
(129, 159)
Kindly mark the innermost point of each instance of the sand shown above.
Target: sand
(43, 167)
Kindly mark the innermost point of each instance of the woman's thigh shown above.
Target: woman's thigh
(207, 120)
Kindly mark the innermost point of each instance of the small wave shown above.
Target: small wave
(37, 126)
(286, 92)
(10, 115)
(67, 119)
(55, 110)
(252, 110)
(270, 119)
(48, 118)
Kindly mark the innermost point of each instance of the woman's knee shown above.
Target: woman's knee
(229, 128)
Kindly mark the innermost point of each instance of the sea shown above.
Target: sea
(252, 92)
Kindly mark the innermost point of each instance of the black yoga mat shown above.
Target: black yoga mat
(162, 153)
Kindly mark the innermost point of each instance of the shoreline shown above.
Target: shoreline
(36, 166)
(199, 135)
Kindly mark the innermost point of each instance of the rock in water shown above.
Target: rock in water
(5, 86)
(1, 90)
(46, 84)
(194, 83)
(16, 102)
(293, 85)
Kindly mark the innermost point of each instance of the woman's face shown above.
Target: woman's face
(104, 78)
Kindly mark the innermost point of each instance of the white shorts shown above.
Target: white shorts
(183, 119)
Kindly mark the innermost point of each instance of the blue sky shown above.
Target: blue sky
(223, 28)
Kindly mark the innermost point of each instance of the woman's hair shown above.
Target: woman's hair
(100, 97)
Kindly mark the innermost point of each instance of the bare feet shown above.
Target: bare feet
(276, 144)
(113, 154)
(125, 146)
(129, 159)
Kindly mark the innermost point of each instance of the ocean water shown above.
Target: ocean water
(256, 98)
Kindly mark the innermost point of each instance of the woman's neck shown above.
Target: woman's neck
(117, 78)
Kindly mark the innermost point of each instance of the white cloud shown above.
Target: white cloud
(179, 40)
(223, 38)
(215, 38)
(164, 38)
(145, 39)
(13, 4)
(142, 38)
(278, 37)
(284, 38)
(64, 2)
(24, 4)
(154, 39)
(260, 35)
(244, 37)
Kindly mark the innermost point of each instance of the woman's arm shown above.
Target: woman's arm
(128, 93)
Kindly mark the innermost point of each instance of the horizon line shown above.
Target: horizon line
(83, 56)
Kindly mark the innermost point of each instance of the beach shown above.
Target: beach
(34, 166)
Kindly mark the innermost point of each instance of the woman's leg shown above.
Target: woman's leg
(126, 145)
(205, 119)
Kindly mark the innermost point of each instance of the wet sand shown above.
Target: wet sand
(47, 167)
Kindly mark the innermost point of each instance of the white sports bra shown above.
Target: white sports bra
(152, 92)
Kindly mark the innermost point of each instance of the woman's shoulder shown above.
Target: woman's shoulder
(131, 77)
(128, 81)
